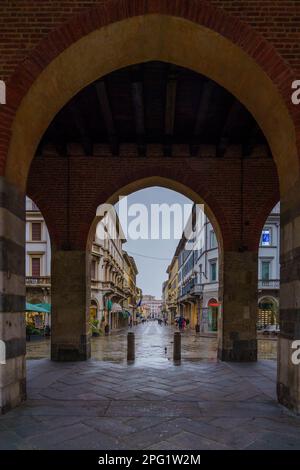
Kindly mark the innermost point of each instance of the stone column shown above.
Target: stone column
(12, 297)
(70, 284)
(238, 313)
(288, 373)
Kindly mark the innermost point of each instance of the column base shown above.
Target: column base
(13, 371)
(286, 399)
(288, 376)
(241, 351)
(12, 394)
(71, 353)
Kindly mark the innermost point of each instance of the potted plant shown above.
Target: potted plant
(32, 333)
(95, 327)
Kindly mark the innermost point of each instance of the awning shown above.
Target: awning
(35, 308)
(215, 304)
(46, 307)
(116, 308)
(126, 314)
(266, 306)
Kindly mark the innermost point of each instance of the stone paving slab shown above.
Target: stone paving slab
(191, 406)
(152, 403)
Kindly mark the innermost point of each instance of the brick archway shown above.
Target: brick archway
(211, 206)
(189, 33)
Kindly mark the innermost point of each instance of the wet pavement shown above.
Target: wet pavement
(105, 403)
(154, 341)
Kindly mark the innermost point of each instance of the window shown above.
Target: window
(213, 240)
(36, 231)
(266, 237)
(35, 267)
(93, 269)
(213, 271)
(265, 270)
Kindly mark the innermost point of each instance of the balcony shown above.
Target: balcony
(96, 284)
(109, 287)
(40, 281)
(268, 284)
(96, 249)
(189, 294)
(197, 289)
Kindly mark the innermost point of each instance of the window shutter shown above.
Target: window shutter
(36, 267)
(36, 230)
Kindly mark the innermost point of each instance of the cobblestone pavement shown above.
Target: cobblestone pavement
(151, 404)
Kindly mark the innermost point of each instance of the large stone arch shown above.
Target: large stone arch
(212, 211)
(189, 33)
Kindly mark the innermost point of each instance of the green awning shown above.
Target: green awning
(35, 308)
(46, 307)
(125, 314)
(266, 306)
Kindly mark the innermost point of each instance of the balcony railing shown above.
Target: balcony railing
(38, 281)
(196, 289)
(269, 284)
(95, 284)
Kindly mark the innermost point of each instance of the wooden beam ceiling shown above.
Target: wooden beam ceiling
(137, 92)
(170, 110)
(107, 114)
(201, 117)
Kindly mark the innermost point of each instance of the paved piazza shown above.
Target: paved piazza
(152, 404)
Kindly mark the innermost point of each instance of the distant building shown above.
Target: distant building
(152, 305)
(114, 294)
(38, 256)
(198, 276)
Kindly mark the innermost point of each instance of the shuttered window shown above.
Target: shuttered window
(36, 231)
(36, 267)
(93, 270)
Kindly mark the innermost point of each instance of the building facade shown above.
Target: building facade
(114, 294)
(38, 256)
(152, 306)
(198, 276)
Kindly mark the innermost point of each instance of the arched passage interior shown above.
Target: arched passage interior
(222, 61)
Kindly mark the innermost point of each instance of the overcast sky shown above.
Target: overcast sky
(152, 272)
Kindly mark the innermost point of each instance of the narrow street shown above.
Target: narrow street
(151, 341)
(106, 403)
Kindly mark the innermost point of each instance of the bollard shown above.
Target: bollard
(177, 346)
(130, 346)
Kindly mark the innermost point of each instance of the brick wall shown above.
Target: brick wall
(33, 32)
(24, 23)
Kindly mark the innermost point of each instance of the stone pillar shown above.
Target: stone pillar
(288, 373)
(237, 316)
(12, 297)
(70, 284)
